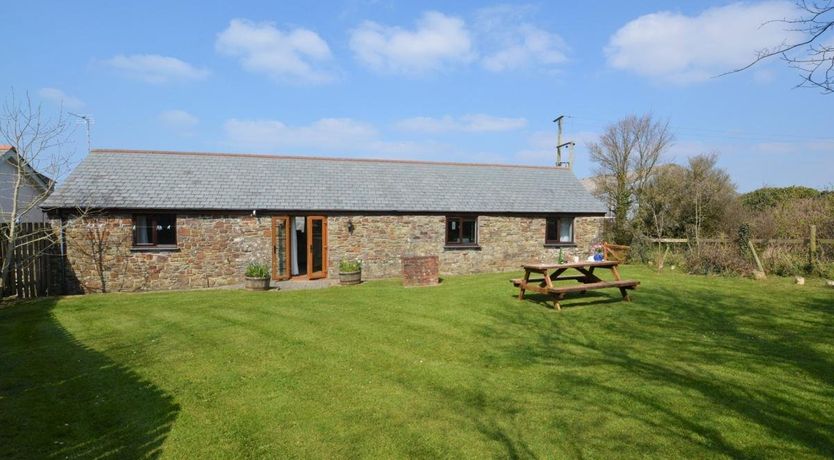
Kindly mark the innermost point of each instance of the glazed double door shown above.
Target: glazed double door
(306, 252)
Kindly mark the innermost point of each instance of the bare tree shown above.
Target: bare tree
(95, 235)
(626, 154)
(662, 202)
(813, 55)
(709, 190)
(39, 144)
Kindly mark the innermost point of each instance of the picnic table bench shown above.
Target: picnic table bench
(552, 273)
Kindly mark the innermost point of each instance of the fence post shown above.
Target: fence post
(812, 246)
(755, 257)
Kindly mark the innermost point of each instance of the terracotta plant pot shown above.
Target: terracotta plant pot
(350, 277)
(257, 284)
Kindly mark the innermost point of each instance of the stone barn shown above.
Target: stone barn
(148, 220)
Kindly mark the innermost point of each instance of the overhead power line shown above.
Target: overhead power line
(713, 133)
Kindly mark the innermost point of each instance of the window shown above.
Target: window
(559, 231)
(155, 230)
(462, 231)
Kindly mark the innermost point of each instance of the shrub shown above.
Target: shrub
(824, 265)
(257, 270)
(785, 260)
(768, 197)
(350, 265)
(792, 219)
(675, 256)
(641, 249)
(825, 270)
(719, 259)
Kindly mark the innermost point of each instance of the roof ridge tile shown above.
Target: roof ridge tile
(318, 158)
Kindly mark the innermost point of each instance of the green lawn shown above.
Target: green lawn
(694, 367)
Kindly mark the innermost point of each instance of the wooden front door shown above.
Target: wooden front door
(316, 247)
(281, 247)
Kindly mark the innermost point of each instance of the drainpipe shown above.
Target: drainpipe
(62, 253)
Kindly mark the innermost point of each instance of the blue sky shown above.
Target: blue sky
(462, 81)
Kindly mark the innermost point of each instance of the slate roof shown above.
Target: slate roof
(112, 179)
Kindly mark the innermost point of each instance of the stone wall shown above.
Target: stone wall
(505, 243)
(212, 250)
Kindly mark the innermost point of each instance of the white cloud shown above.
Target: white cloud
(295, 55)
(510, 41)
(750, 149)
(179, 120)
(330, 136)
(476, 123)
(540, 149)
(437, 41)
(821, 145)
(58, 97)
(754, 164)
(684, 49)
(153, 68)
(763, 75)
(327, 133)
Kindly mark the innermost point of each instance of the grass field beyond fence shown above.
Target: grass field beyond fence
(694, 367)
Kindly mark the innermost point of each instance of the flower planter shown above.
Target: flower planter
(350, 277)
(257, 284)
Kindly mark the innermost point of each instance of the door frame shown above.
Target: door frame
(323, 272)
(288, 252)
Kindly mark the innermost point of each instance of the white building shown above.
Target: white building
(35, 188)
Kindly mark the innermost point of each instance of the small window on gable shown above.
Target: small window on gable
(462, 231)
(559, 230)
(155, 230)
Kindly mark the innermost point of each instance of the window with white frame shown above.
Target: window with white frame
(559, 230)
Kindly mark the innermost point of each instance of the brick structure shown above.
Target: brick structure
(420, 271)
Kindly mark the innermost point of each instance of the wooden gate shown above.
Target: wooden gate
(615, 252)
(29, 271)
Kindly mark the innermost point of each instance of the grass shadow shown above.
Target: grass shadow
(61, 399)
(572, 300)
(758, 363)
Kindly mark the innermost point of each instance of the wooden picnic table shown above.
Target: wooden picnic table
(554, 273)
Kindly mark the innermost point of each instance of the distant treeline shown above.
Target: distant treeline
(651, 200)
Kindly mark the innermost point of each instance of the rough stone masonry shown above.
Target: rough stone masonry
(213, 249)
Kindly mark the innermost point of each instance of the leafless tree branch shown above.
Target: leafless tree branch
(40, 151)
(812, 56)
(626, 155)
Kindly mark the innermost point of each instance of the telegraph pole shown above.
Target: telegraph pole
(558, 122)
(560, 144)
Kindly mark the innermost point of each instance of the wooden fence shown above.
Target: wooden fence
(615, 252)
(803, 241)
(29, 272)
(811, 243)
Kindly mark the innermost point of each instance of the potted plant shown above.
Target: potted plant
(350, 271)
(257, 277)
(598, 255)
